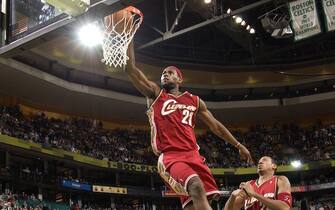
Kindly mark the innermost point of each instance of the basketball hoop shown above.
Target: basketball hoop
(120, 28)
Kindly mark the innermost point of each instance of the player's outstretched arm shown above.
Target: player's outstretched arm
(220, 130)
(283, 200)
(140, 81)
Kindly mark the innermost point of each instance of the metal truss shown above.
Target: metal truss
(168, 34)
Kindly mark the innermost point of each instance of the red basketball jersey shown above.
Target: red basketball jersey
(268, 189)
(172, 120)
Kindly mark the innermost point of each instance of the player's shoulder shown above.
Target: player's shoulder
(283, 179)
(252, 181)
(190, 95)
(193, 96)
(161, 92)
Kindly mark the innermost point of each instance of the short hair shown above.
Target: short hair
(273, 160)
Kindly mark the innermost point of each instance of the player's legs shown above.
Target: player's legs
(191, 182)
(189, 206)
(197, 192)
(190, 178)
(207, 180)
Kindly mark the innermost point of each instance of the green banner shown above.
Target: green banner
(305, 20)
(329, 11)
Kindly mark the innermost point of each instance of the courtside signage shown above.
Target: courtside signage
(76, 185)
(109, 189)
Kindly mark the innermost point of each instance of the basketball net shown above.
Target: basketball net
(120, 29)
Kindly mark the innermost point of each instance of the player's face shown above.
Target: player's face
(265, 164)
(169, 77)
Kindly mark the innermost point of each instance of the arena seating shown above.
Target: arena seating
(284, 142)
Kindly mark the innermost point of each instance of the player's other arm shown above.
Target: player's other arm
(220, 130)
(235, 200)
(140, 81)
(283, 200)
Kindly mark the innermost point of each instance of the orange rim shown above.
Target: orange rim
(134, 10)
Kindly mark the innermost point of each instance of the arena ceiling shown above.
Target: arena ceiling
(217, 56)
(190, 33)
(220, 40)
(217, 46)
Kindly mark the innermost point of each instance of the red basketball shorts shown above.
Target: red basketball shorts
(177, 168)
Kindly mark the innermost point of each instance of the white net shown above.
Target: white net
(117, 37)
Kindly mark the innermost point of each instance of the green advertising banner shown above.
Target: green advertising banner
(329, 11)
(305, 20)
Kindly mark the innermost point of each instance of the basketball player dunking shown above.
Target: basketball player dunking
(267, 192)
(172, 115)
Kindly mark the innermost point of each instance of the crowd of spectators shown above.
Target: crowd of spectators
(88, 137)
(322, 203)
(25, 201)
(282, 142)
(21, 201)
(7, 200)
(116, 204)
(78, 135)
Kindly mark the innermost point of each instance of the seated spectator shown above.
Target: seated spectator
(88, 137)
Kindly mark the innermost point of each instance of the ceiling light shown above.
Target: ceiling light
(228, 11)
(248, 27)
(90, 35)
(243, 23)
(252, 31)
(207, 1)
(296, 163)
(238, 20)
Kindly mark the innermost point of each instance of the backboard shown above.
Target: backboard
(25, 24)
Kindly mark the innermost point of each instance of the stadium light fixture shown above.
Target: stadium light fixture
(90, 35)
(296, 163)
(238, 20)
